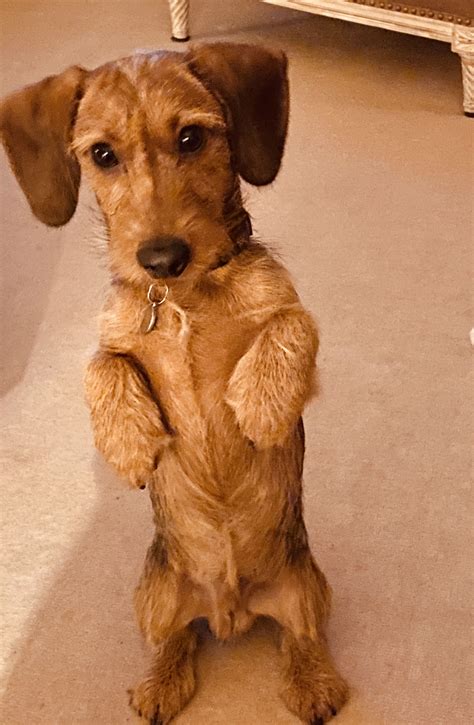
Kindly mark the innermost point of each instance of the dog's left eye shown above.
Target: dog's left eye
(103, 155)
(190, 139)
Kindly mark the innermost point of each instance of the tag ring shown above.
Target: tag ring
(150, 297)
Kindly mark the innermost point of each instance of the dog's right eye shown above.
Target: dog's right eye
(190, 139)
(103, 155)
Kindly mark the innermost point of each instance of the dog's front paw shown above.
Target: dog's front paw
(126, 419)
(137, 459)
(137, 469)
(258, 424)
(140, 478)
(271, 383)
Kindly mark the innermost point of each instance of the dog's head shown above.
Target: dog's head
(162, 138)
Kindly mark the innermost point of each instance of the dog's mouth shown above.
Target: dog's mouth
(167, 257)
(222, 260)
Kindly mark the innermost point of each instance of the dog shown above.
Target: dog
(206, 356)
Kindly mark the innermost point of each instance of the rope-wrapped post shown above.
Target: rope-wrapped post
(463, 45)
(179, 10)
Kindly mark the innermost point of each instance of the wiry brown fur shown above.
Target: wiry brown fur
(205, 409)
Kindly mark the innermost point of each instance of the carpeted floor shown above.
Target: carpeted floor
(372, 214)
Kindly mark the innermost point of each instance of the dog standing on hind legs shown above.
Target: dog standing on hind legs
(206, 356)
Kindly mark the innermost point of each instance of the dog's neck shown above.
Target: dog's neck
(237, 221)
(235, 214)
(240, 232)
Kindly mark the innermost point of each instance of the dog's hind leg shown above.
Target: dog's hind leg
(313, 689)
(299, 601)
(166, 603)
(170, 682)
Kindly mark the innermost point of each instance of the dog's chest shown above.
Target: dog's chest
(189, 359)
(216, 343)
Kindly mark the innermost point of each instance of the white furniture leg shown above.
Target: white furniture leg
(463, 45)
(179, 10)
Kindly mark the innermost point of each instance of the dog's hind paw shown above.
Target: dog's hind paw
(170, 683)
(144, 705)
(320, 720)
(318, 702)
(159, 700)
(313, 688)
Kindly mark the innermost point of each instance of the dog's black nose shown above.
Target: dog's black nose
(164, 256)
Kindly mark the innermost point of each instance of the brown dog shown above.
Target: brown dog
(206, 355)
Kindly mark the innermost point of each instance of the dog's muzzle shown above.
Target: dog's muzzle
(164, 256)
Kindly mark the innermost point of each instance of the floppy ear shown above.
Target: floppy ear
(251, 82)
(35, 128)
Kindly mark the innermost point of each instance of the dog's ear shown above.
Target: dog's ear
(35, 128)
(252, 84)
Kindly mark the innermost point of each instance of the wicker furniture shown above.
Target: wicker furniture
(451, 21)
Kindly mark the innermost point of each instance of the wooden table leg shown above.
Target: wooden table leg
(463, 45)
(179, 10)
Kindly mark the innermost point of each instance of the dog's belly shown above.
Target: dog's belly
(225, 521)
(222, 504)
(227, 535)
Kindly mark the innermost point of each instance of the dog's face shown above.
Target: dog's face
(162, 139)
(152, 142)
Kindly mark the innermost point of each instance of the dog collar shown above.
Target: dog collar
(240, 235)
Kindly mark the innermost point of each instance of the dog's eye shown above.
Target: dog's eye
(190, 139)
(103, 155)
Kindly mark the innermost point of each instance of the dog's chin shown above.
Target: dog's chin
(200, 268)
(176, 285)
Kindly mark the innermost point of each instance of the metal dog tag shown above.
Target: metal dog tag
(150, 316)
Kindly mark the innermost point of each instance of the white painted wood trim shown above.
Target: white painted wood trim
(461, 37)
(463, 45)
(377, 17)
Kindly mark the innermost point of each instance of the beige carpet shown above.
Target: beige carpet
(372, 214)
